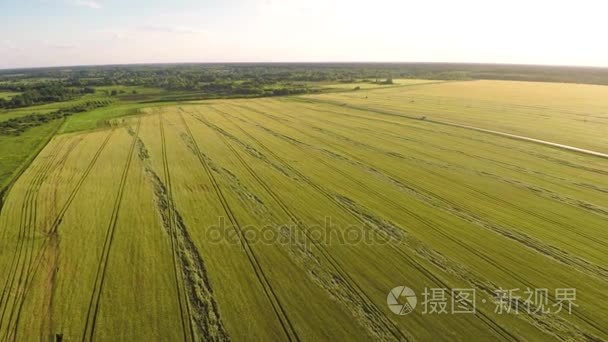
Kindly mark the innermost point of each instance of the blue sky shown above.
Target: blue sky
(70, 32)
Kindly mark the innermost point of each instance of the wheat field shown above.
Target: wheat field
(293, 218)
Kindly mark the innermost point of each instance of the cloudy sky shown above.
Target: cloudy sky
(78, 32)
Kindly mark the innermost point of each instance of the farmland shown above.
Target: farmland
(371, 84)
(291, 218)
(571, 114)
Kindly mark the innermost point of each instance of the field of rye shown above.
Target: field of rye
(292, 219)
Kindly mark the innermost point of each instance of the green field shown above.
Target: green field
(371, 85)
(571, 114)
(17, 151)
(7, 94)
(292, 218)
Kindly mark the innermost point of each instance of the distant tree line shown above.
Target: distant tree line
(247, 79)
(42, 93)
(208, 80)
(17, 126)
(203, 81)
(196, 76)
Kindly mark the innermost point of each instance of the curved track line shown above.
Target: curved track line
(25, 241)
(23, 279)
(52, 232)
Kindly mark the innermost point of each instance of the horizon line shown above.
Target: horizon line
(303, 63)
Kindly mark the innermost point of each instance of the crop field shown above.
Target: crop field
(371, 85)
(292, 218)
(571, 114)
(17, 151)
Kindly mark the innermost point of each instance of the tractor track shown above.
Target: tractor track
(368, 305)
(52, 232)
(460, 243)
(279, 311)
(550, 251)
(491, 323)
(93, 309)
(23, 249)
(468, 127)
(470, 188)
(197, 289)
(560, 180)
(4, 191)
(23, 278)
(584, 264)
(471, 138)
(514, 275)
(185, 313)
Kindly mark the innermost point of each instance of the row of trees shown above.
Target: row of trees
(44, 93)
(209, 80)
(198, 77)
(182, 76)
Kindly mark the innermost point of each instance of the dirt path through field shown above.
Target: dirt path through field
(479, 129)
(521, 137)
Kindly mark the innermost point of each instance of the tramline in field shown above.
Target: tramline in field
(303, 211)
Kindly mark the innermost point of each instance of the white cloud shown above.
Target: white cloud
(88, 3)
